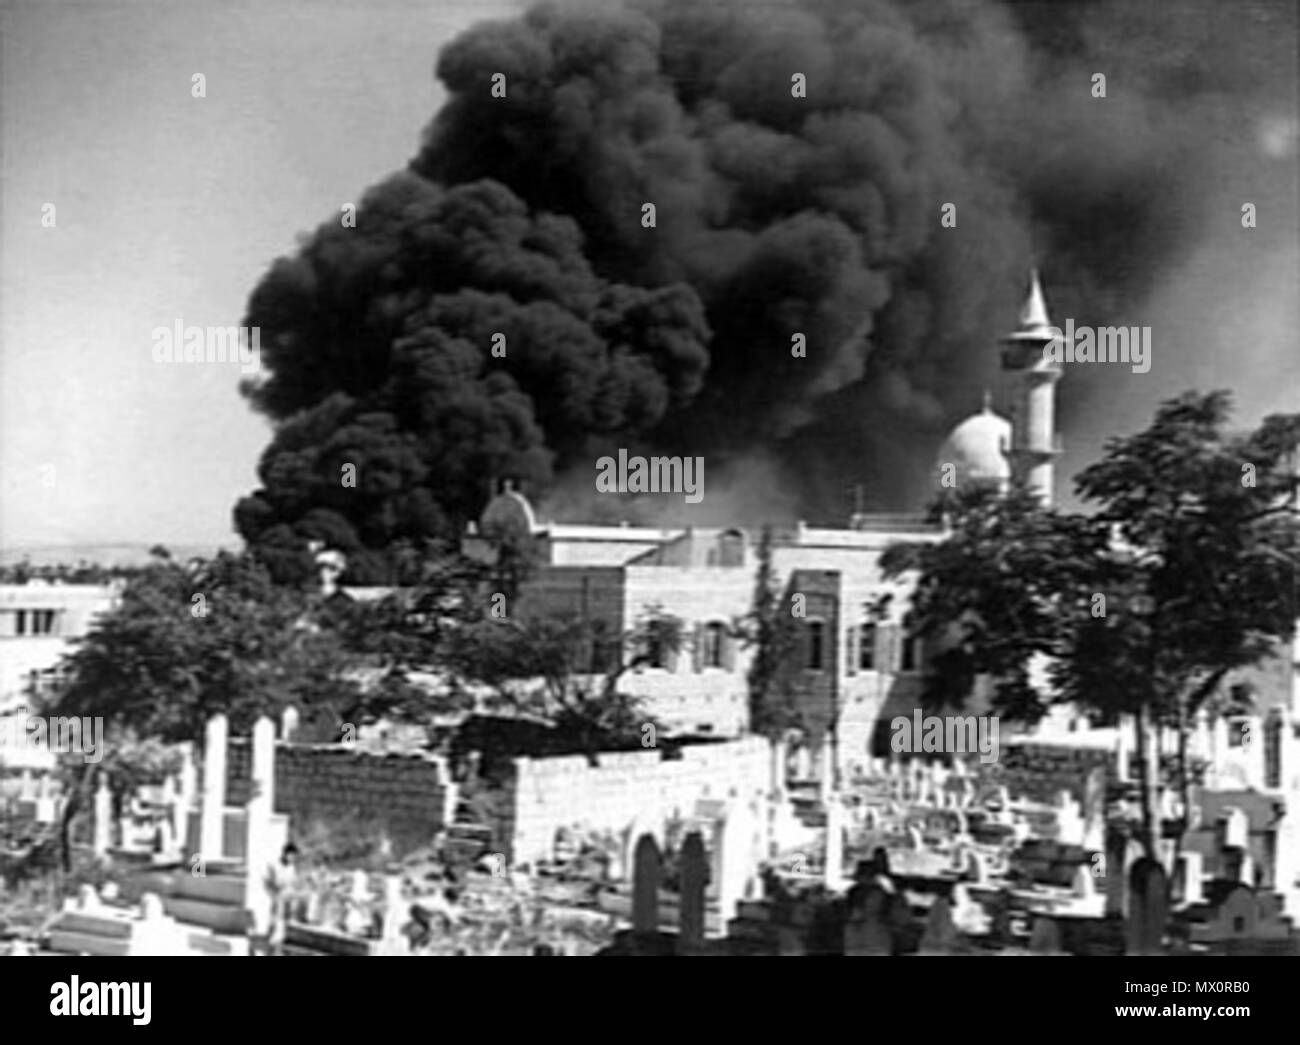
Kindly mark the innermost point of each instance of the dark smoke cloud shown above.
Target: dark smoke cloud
(776, 215)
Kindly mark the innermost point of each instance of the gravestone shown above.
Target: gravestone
(833, 868)
(867, 930)
(1190, 872)
(259, 848)
(1114, 870)
(1045, 937)
(1236, 829)
(738, 857)
(1082, 884)
(940, 935)
(103, 817)
(646, 875)
(212, 813)
(694, 881)
(1148, 908)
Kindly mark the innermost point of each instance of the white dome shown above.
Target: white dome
(978, 447)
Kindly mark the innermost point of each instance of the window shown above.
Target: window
(867, 647)
(816, 645)
(714, 635)
(731, 548)
(34, 622)
(1273, 752)
(655, 657)
(911, 654)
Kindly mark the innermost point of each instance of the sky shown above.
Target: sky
(171, 207)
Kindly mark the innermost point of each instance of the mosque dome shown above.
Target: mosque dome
(978, 447)
(508, 513)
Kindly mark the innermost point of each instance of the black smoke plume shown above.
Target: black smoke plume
(776, 215)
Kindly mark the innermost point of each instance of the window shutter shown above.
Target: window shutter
(851, 637)
(728, 651)
(697, 650)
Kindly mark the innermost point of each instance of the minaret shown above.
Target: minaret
(1034, 444)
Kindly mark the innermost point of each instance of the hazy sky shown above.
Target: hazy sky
(170, 207)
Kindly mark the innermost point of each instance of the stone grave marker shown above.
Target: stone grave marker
(646, 875)
(694, 881)
(940, 935)
(1148, 908)
(1190, 877)
(1045, 937)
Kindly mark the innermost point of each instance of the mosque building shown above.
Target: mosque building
(854, 668)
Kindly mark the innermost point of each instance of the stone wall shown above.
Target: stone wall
(402, 795)
(628, 787)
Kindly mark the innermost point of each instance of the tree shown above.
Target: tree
(1185, 572)
(565, 671)
(129, 761)
(186, 642)
(768, 630)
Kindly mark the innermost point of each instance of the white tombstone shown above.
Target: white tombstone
(833, 872)
(394, 908)
(261, 856)
(737, 860)
(356, 919)
(1123, 748)
(263, 761)
(1069, 822)
(1083, 885)
(1191, 877)
(288, 723)
(1236, 831)
(212, 812)
(103, 817)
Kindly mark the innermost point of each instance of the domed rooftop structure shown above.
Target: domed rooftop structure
(978, 447)
(508, 514)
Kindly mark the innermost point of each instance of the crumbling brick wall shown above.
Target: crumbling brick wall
(401, 795)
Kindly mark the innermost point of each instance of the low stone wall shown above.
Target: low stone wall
(405, 796)
(402, 795)
(627, 787)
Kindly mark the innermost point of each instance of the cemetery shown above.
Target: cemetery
(740, 847)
